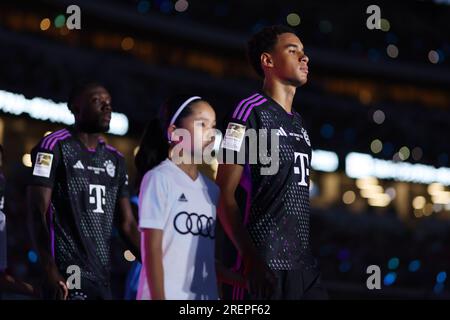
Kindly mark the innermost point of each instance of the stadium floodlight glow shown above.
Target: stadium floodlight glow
(326, 161)
(379, 200)
(435, 188)
(372, 193)
(367, 183)
(359, 165)
(47, 110)
(441, 198)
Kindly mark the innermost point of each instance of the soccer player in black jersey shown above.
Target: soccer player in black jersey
(273, 240)
(78, 189)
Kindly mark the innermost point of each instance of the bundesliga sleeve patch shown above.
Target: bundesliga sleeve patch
(234, 135)
(43, 165)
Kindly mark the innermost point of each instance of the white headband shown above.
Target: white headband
(175, 116)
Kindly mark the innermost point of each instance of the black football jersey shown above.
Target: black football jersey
(86, 186)
(276, 204)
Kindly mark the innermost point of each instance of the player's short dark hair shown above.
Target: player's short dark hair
(78, 90)
(264, 41)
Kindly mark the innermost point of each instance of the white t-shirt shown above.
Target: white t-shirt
(3, 264)
(186, 212)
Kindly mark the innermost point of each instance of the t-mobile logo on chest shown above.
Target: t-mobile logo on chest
(303, 170)
(97, 197)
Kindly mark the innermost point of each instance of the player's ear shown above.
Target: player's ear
(171, 132)
(266, 60)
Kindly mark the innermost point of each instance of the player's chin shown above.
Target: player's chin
(298, 82)
(302, 78)
(103, 128)
(298, 79)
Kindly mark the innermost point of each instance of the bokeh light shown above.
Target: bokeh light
(348, 197)
(181, 5)
(393, 263)
(60, 20)
(45, 24)
(127, 43)
(376, 146)
(293, 19)
(379, 117)
(392, 51)
(385, 25)
(390, 278)
(433, 56)
(414, 266)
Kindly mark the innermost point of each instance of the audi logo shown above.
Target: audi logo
(197, 225)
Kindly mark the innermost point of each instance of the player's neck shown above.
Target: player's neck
(90, 140)
(281, 93)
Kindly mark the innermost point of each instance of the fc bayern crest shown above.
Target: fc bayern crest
(110, 168)
(305, 136)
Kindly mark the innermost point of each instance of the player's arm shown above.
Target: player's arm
(127, 226)
(224, 274)
(260, 278)
(153, 217)
(38, 201)
(154, 262)
(228, 177)
(125, 221)
(38, 198)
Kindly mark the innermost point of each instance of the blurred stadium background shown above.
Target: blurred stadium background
(377, 106)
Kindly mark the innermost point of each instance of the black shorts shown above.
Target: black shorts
(290, 285)
(90, 290)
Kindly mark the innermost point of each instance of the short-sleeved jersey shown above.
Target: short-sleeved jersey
(86, 186)
(276, 203)
(185, 210)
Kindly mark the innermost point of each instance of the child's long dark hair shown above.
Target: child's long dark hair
(154, 146)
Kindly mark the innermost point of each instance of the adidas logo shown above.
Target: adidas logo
(78, 165)
(182, 198)
(281, 132)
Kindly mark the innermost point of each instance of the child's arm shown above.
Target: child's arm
(154, 262)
